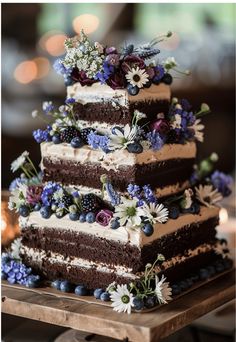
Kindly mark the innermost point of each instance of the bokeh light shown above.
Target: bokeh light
(25, 72)
(43, 67)
(53, 42)
(88, 22)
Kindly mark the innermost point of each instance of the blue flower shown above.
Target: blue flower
(48, 191)
(60, 68)
(134, 190)
(98, 141)
(113, 195)
(148, 194)
(16, 182)
(103, 76)
(222, 182)
(70, 100)
(42, 135)
(159, 72)
(155, 139)
(185, 104)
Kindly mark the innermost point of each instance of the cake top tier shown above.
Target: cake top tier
(126, 68)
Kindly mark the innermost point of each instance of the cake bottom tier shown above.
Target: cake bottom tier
(97, 275)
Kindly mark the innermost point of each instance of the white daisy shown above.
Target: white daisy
(17, 197)
(18, 162)
(177, 121)
(123, 137)
(34, 113)
(128, 212)
(122, 299)
(156, 213)
(207, 195)
(197, 127)
(170, 63)
(162, 290)
(137, 77)
(15, 248)
(139, 115)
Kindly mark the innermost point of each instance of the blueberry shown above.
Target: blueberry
(81, 290)
(219, 267)
(90, 217)
(156, 80)
(56, 139)
(150, 302)
(82, 217)
(195, 207)
(135, 148)
(183, 285)
(56, 284)
(68, 81)
(37, 207)
(167, 79)
(46, 212)
(148, 84)
(132, 90)
(195, 277)
(3, 276)
(74, 216)
(65, 286)
(176, 289)
(117, 128)
(211, 270)
(105, 297)
(138, 303)
(24, 210)
(97, 293)
(115, 223)
(174, 212)
(77, 142)
(204, 274)
(148, 229)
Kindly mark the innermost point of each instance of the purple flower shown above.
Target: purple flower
(185, 104)
(134, 190)
(98, 141)
(33, 194)
(48, 191)
(60, 68)
(155, 139)
(113, 195)
(42, 135)
(113, 59)
(111, 50)
(117, 80)
(104, 216)
(222, 182)
(132, 61)
(159, 72)
(103, 76)
(148, 194)
(81, 77)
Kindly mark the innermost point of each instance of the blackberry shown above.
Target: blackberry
(85, 132)
(68, 134)
(90, 203)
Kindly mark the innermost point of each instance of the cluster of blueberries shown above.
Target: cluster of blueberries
(175, 210)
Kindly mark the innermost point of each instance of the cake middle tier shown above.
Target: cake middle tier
(167, 170)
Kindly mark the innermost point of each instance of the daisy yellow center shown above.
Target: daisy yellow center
(131, 211)
(125, 299)
(136, 78)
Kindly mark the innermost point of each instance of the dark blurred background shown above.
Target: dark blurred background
(33, 36)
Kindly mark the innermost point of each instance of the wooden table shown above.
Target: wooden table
(102, 320)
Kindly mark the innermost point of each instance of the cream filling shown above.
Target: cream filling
(121, 235)
(118, 158)
(37, 256)
(119, 97)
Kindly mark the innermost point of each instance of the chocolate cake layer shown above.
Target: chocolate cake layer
(158, 174)
(107, 112)
(96, 249)
(97, 279)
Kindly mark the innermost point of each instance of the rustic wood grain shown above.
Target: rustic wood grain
(92, 318)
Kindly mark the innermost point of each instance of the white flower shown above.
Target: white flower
(99, 47)
(162, 290)
(156, 213)
(137, 77)
(17, 197)
(177, 121)
(170, 63)
(197, 127)
(46, 105)
(128, 212)
(15, 248)
(123, 137)
(122, 299)
(111, 287)
(57, 196)
(16, 164)
(139, 115)
(207, 195)
(188, 193)
(145, 144)
(34, 114)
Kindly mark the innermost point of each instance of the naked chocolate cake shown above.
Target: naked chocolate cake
(120, 198)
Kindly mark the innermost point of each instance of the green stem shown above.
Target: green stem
(26, 172)
(31, 163)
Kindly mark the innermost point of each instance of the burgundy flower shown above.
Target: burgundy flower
(151, 72)
(33, 194)
(117, 80)
(161, 126)
(104, 216)
(113, 59)
(81, 77)
(132, 61)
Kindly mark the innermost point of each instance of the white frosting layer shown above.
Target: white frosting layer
(122, 235)
(118, 158)
(103, 93)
